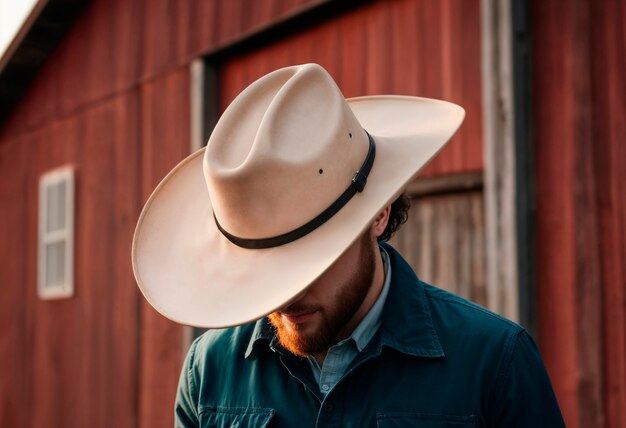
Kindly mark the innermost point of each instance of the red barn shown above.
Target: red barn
(524, 211)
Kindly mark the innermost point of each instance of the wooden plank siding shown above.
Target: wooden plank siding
(580, 115)
(15, 323)
(113, 100)
(67, 352)
(117, 44)
(422, 48)
(444, 242)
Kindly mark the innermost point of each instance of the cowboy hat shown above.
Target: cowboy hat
(293, 173)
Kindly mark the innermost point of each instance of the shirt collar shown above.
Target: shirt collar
(263, 331)
(364, 332)
(406, 324)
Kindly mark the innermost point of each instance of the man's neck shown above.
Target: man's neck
(369, 300)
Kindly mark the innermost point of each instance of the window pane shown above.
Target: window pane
(55, 263)
(55, 214)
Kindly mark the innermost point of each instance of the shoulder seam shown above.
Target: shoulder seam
(508, 359)
(517, 327)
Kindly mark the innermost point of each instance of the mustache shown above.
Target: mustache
(300, 308)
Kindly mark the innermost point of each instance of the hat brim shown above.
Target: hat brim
(191, 274)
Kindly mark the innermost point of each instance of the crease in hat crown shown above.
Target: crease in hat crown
(282, 152)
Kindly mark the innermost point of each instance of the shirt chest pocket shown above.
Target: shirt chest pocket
(235, 417)
(423, 420)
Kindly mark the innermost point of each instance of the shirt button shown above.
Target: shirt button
(325, 387)
(328, 407)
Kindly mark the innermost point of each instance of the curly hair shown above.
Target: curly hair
(397, 216)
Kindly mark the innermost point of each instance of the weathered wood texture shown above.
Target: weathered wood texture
(66, 353)
(444, 241)
(113, 100)
(500, 159)
(115, 45)
(15, 324)
(423, 48)
(580, 123)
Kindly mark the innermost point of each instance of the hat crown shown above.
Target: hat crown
(282, 152)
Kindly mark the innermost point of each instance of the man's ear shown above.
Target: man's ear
(380, 222)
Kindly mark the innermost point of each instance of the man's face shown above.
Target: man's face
(332, 306)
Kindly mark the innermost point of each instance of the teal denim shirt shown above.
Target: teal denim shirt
(437, 361)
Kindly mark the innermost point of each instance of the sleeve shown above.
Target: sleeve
(186, 408)
(524, 395)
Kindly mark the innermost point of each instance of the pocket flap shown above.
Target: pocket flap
(235, 417)
(423, 420)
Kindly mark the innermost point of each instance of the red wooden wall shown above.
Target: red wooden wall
(113, 100)
(580, 129)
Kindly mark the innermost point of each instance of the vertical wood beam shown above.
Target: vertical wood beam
(499, 157)
(608, 68)
(569, 278)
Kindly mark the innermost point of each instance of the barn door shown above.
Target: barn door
(410, 47)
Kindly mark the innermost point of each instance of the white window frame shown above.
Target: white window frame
(64, 289)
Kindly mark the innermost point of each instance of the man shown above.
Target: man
(284, 214)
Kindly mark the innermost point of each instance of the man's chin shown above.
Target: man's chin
(296, 342)
(301, 339)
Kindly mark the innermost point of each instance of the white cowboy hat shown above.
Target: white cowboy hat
(238, 229)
